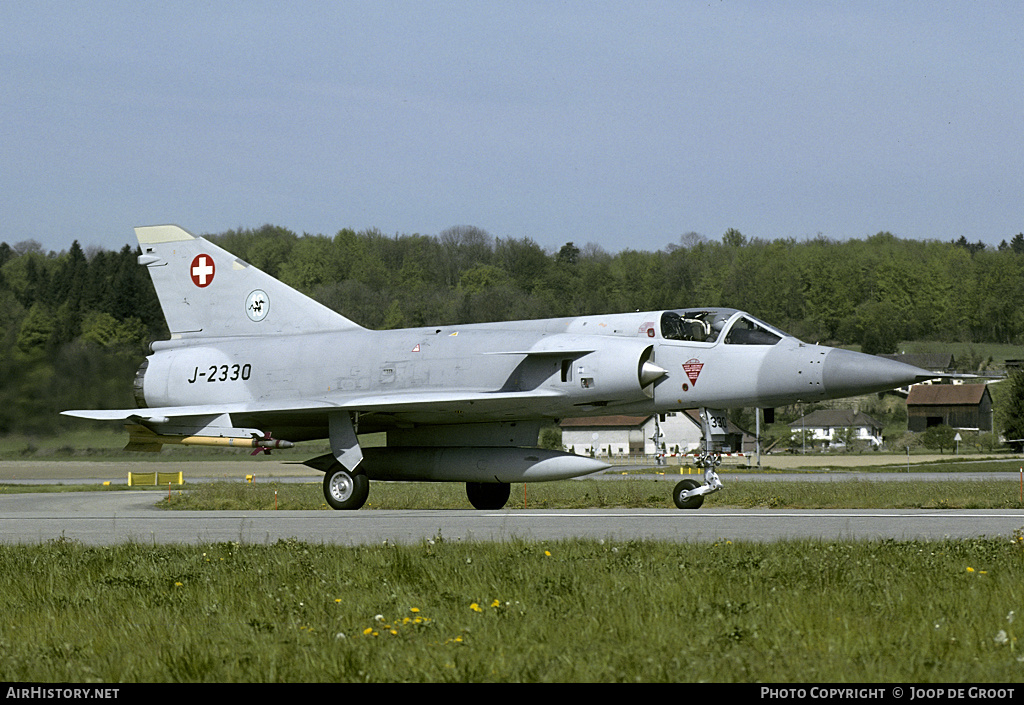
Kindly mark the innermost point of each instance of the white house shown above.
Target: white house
(634, 435)
(829, 427)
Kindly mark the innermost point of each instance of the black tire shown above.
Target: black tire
(689, 502)
(345, 490)
(488, 495)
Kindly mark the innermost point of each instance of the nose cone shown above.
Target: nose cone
(848, 373)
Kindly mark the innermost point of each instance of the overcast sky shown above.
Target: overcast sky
(622, 124)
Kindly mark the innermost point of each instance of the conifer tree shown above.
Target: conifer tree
(1013, 416)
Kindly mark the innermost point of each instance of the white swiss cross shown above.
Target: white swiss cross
(202, 270)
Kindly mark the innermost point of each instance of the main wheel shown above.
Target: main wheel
(688, 502)
(488, 495)
(345, 490)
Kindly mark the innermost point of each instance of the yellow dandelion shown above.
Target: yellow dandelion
(547, 553)
(496, 603)
(475, 607)
(970, 569)
(414, 609)
(337, 599)
(368, 631)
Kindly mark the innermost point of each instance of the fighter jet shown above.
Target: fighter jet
(253, 363)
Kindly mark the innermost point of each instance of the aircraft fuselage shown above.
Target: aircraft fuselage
(566, 367)
(254, 363)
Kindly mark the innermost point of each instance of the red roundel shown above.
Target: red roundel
(202, 270)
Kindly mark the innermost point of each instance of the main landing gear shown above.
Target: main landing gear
(488, 495)
(344, 489)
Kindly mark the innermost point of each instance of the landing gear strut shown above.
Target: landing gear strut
(689, 494)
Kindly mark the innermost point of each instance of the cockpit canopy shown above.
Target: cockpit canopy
(711, 325)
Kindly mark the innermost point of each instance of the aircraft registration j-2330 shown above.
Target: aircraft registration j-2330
(254, 363)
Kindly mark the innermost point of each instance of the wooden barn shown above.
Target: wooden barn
(962, 406)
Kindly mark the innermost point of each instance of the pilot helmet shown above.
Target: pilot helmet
(718, 322)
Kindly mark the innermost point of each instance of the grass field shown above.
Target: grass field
(526, 611)
(577, 611)
(109, 443)
(631, 493)
(584, 494)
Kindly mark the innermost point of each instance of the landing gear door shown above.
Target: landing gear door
(715, 424)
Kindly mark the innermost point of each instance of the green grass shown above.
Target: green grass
(577, 611)
(108, 444)
(558, 611)
(842, 463)
(856, 494)
(31, 489)
(966, 352)
(631, 493)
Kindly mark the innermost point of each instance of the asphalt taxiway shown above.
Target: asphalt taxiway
(102, 518)
(105, 518)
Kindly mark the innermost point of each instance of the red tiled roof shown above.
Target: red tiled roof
(605, 421)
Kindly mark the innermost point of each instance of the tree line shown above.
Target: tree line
(74, 325)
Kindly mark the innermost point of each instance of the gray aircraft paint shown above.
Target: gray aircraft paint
(251, 358)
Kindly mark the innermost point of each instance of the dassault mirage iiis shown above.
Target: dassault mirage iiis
(254, 363)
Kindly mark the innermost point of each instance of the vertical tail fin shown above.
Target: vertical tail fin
(206, 291)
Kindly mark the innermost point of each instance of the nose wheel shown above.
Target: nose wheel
(685, 498)
(689, 494)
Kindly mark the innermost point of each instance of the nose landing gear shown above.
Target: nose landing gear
(689, 494)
